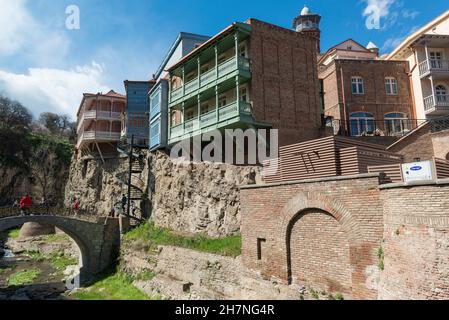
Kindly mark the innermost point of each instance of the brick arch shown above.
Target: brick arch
(98, 242)
(301, 204)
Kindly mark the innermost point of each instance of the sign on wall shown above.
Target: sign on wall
(418, 171)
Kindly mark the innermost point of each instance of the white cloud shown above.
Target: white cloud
(383, 7)
(53, 90)
(22, 34)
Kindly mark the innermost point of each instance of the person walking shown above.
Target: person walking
(133, 208)
(22, 206)
(124, 202)
(76, 207)
(25, 204)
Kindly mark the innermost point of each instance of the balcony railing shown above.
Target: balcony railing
(98, 135)
(206, 78)
(370, 127)
(433, 65)
(98, 115)
(432, 102)
(210, 118)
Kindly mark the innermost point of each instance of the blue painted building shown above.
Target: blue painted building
(158, 94)
(136, 117)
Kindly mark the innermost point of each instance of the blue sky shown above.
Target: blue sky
(47, 67)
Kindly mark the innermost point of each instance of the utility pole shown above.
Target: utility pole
(130, 176)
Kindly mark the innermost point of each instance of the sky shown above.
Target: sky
(47, 66)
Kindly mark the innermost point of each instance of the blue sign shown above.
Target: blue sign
(417, 168)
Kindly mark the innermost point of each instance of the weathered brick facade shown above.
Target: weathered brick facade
(322, 232)
(416, 242)
(327, 234)
(284, 85)
(423, 144)
(340, 102)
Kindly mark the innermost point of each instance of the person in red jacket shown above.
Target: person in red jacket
(76, 207)
(25, 203)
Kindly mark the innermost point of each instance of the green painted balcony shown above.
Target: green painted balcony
(235, 66)
(230, 115)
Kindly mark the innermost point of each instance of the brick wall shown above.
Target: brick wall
(416, 243)
(284, 86)
(423, 144)
(332, 247)
(338, 92)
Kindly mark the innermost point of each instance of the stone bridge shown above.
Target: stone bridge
(98, 241)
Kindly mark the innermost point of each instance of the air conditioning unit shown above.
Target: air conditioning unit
(418, 171)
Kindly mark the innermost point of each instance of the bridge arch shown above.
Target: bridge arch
(98, 242)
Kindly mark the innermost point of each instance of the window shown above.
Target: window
(242, 50)
(391, 86)
(396, 123)
(243, 94)
(361, 123)
(154, 130)
(173, 119)
(260, 243)
(190, 114)
(436, 60)
(441, 93)
(222, 101)
(155, 100)
(205, 107)
(357, 85)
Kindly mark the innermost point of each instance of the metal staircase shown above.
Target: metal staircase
(135, 185)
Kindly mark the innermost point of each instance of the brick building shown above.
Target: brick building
(250, 75)
(364, 95)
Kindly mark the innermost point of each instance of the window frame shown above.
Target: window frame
(391, 83)
(359, 84)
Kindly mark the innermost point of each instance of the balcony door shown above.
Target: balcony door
(436, 60)
(441, 94)
(396, 123)
(361, 123)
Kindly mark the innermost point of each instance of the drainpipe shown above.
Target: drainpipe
(345, 114)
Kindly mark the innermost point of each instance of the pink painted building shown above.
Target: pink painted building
(99, 123)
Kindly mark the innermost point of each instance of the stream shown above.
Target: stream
(25, 278)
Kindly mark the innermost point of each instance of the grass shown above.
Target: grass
(229, 246)
(14, 233)
(113, 286)
(55, 237)
(23, 277)
(35, 255)
(60, 261)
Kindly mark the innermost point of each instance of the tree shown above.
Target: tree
(15, 122)
(57, 124)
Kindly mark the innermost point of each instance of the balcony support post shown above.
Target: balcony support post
(217, 113)
(427, 56)
(216, 62)
(199, 111)
(237, 92)
(183, 81)
(170, 78)
(183, 115)
(199, 72)
(433, 92)
(236, 39)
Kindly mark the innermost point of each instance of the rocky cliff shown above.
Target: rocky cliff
(187, 197)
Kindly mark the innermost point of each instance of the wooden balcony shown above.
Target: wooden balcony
(435, 68)
(98, 115)
(231, 67)
(98, 136)
(215, 119)
(436, 105)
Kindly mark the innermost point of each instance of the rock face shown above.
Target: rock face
(97, 186)
(203, 276)
(198, 197)
(33, 229)
(186, 197)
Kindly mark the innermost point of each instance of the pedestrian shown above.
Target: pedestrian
(15, 204)
(112, 213)
(75, 207)
(25, 204)
(133, 208)
(124, 202)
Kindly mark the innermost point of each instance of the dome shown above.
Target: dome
(371, 45)
(305, 11)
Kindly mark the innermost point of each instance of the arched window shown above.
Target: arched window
(391, 86)
(357, 85)
(441, 93)
(361, 123)
(396, 123)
